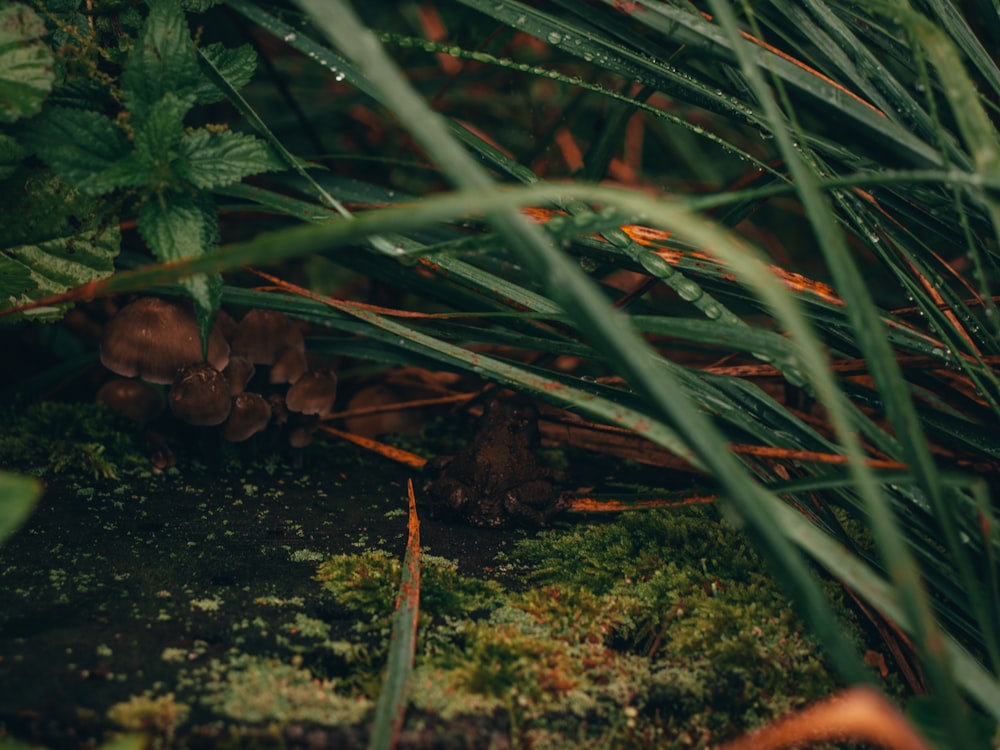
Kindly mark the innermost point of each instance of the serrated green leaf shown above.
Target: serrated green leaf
(236, 65)
(164, 59)
(61, 239)
(15, 281)
(18, 495)
(174, 227)
(157, 136)
(27, 66)
(80, 146)
(177, 227)
(211, 160)
(53, 267)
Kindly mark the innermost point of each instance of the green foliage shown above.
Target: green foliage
(144, 155)
(62, 238)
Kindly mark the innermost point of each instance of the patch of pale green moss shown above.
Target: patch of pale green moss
(255, 690)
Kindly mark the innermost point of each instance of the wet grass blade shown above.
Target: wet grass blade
(391, 708)
(892, 386)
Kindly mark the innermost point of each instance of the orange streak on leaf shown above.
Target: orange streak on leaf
(591, 505)
(799, 64)
(789, 454)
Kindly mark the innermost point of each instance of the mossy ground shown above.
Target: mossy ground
(249, 602)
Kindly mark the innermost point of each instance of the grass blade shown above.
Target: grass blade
(391, 707)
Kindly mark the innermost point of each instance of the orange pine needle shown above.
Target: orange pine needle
(388, 451)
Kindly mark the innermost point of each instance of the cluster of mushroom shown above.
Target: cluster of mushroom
(154, 340)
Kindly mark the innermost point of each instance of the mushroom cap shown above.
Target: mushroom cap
(238, 373)
(200, 396)
(289, 366)
(153, 338)
(227, 324)
(313, 393)
(249, 415)
(134, 399)
(263, 334)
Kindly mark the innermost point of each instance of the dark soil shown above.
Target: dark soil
(108, 575)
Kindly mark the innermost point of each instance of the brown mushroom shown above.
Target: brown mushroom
(290, 365)
(227, 325)
(249, 415)
(263, 335)
(301, 433)
(238, 373)
(153, 338)
(135, 399)
(200, 396)
(313, 393)
(278, 409)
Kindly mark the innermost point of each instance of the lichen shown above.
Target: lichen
(255, 690)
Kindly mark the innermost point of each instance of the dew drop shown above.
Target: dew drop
(688, 290)
(794, 376)
(656, 265)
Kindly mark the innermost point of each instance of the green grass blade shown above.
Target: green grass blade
(391, 707)
(609, 329)
(892, 386)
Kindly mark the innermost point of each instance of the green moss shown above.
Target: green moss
(367, 583)
(725, 648)
(660, 626)
(143, 713)
(52, 437)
